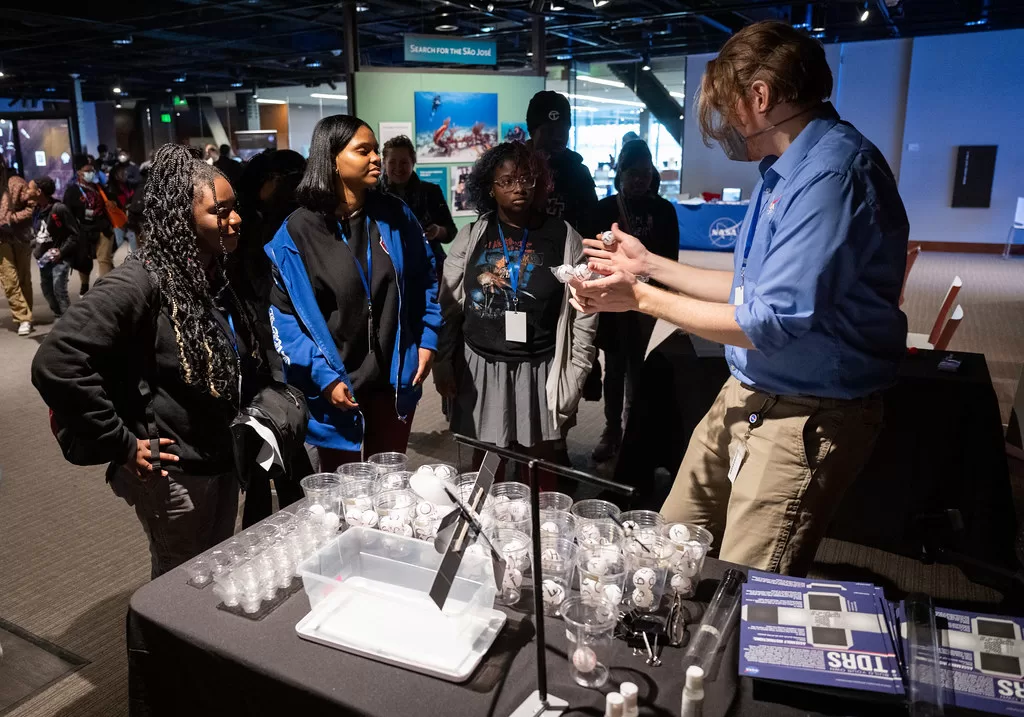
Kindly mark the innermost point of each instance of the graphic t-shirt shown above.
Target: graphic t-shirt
(488, 288)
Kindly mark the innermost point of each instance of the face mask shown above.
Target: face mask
(89, 177)
(734, 144)
(122, 158)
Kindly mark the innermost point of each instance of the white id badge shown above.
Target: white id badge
(737, 452)
(515, 326)
(738, 301)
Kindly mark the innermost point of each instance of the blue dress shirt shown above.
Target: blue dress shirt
(820, 256)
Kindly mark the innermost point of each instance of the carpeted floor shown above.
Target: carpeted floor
(71, 553)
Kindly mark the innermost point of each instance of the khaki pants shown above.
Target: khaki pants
(801, 457)
(16, 276)
(105, 254)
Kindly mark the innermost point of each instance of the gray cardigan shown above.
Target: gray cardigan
(574, 344)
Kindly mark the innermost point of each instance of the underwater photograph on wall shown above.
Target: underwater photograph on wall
(455, 126)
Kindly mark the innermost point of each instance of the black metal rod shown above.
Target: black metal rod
(570, 473)
(538, 594)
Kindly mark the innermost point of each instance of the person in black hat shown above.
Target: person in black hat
(574, 199)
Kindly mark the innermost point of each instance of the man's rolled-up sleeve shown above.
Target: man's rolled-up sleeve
(816, 253)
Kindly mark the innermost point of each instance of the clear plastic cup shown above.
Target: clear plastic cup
(199, 571)
(394, 480)
(557, 524)
(323, 489)
(390, 462)
(425, 527)
(593, 533)
(602, 572)
(511, 507)
(690, 545)
(553, 500)
(646, 570)
(514, 546)
(357, 471)
(642, 522)
(357, 502)
(593, 509)
(558, 561)
(465, 484)
(395, 511)
(590, 628)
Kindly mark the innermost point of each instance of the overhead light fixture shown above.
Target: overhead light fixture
(116, 90)
(602, 100)
(236, 84)
(117, 105)
(362, 8)
(313, 64)
(180, 78)
(646, 66)
(557, 8)
(865, 13)
(323, 96)
(446, 28)
(267, 101)
(529, 53)
(601, 3)
(490, 7)
(817, 29)
(976, 23)
(51, 89)
(678, 95)
(601, 81)
(123, 40)
(487, 28)
(2, 73)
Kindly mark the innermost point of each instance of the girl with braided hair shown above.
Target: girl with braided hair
(149, 370)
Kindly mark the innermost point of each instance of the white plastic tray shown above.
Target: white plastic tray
(360, 622)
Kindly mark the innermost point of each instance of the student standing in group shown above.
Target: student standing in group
(424, 198)
(638, 210)
(573, 196)
(16, 247)
(125, 179)
(148, 372)
(227, 165)
(524, 352)
(810, 313)
(57, 244)
(354, 304)
(84, 200)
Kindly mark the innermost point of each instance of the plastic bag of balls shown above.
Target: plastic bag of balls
(565, 272)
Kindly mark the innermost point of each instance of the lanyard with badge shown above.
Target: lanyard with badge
(515, 320)
(364, 276)
(738, 295)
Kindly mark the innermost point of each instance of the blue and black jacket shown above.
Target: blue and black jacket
(311, 358)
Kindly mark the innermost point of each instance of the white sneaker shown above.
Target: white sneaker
(25, 328)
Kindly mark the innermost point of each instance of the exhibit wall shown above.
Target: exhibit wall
(964, 89)
(391, 97)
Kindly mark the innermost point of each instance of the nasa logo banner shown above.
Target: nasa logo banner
(723, 232)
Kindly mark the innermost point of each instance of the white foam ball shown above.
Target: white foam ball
(549, 527)
(613, 593)
(584, 659)
(642, 598)
(682, 584)
(678, 533)
(553, 594)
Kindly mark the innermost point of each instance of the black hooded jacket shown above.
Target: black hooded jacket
(573, 197)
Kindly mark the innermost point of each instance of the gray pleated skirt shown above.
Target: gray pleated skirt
(504, 403)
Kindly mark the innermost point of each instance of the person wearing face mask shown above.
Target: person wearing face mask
(424, 198)
(84, 199)
(524, 352)
(354, 301)
(810, 313)
(149, 370)
(638, 210)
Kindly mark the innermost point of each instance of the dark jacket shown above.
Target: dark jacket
(57, 228)
(229, 168)
(92, 227)
(311, 358)
(573, 197)
(426, 200)
(92, 366)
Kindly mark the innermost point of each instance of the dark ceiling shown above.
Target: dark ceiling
(187, 46)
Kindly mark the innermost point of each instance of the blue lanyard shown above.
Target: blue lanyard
(364, 276)
(750, 232)
(514, 269)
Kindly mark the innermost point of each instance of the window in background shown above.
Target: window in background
(46, 150)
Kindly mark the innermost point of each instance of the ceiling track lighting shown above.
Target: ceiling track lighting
(865, 13)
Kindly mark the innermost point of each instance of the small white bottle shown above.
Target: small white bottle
(631, 696)
(613, 705)
(693, 693)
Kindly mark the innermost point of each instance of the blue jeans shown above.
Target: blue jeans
(124, 233)
(54, 277)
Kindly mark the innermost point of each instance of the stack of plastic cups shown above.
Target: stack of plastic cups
(511, 508)
(515, 549)
(199, 571)
(249, 593)
(690, 544)
(389, 462)
(647, 565)
(558, 561)
(590, 627)
(357, 498)
(602, 571)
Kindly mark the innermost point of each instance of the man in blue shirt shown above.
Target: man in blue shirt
(810, 315)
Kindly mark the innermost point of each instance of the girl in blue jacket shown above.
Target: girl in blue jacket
(354, 304)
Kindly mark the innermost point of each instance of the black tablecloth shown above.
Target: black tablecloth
(941, 448)
(186, 657)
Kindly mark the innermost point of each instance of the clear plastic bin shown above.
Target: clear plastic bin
(371, 595)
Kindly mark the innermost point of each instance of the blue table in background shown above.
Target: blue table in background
(709, 227)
